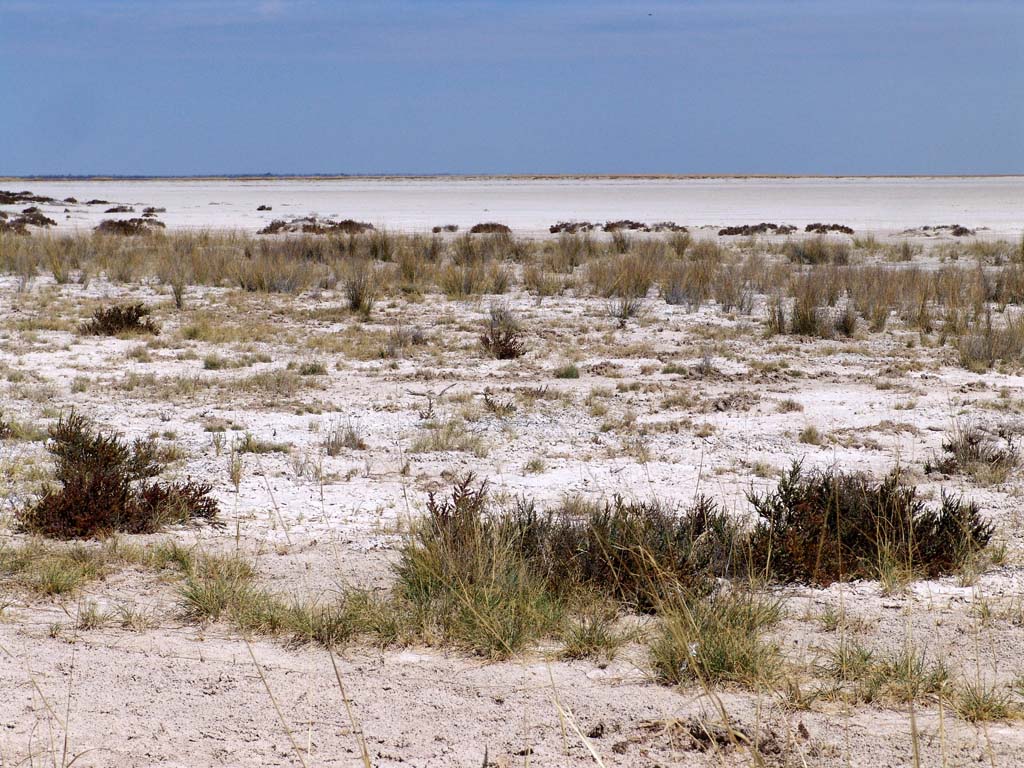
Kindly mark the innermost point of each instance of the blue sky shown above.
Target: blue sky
(563, 86)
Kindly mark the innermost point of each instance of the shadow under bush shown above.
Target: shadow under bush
(105, 488)
(825, 526)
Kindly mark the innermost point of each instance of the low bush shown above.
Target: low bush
(311, 225)
(572, 227)
(635, 553)
(105, 487)
(490, 228)
(970, 450)
(118, 319)
(748, 230)
(822, 229)
(621, 224)
(502, 337)
(825, 526)
(129, 227)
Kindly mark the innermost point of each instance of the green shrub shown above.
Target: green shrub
(111, 321)
(105, 488)
(635, 553)
(568, 371)
(825, 526)
(502, 337)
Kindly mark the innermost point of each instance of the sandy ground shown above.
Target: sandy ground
(177, 694)
(530, 206)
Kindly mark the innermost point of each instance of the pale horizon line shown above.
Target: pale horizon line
(538, 176)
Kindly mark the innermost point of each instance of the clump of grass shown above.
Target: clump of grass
(123, 319)
(360, 285)
(688, 283)
(450, 434)
(635, 553)
(249, 443)
(717, 640)
(535, 466)
(904, 250)
(502, 337)
(593, 633)
(789, 405)
(466, 579)
(623, 308)
(985, 343)
(105, 488)
(215, 362)
(818, 250)
(51, 571)
(809, 317)
(970, 450)
(811, 435)
(214, 585)
(284, 266)
(312, 368)
(494, 580)
(473, 274)
(904, 676)
(567, 371)
(11, 429)
(775, 321)
(91, 616)
(343, 435)
(828, 525)
(401, 338)
(979, 701)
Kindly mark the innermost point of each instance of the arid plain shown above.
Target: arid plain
(639, 472)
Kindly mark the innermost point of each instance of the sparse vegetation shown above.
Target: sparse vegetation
(293, 369)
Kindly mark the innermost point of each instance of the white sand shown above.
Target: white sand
(529, 206)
